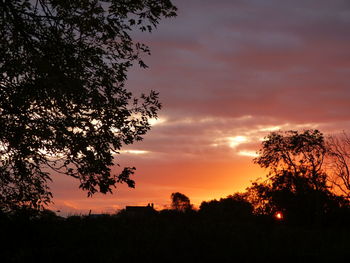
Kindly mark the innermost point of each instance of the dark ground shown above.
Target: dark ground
(169, 237)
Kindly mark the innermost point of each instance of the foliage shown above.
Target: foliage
(234, 206)
(296, 183)
(301, 154)
(180, 202)
(63, 102)
(114, 238)
(339, 162)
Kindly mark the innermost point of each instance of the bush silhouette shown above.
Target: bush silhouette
(234, 206)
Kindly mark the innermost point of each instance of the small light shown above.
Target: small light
(279, 215)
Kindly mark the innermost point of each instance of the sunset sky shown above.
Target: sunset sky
(228, 72)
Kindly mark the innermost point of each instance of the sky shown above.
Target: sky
(228, 72)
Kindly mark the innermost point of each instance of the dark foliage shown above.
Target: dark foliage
(234, 206)
(297, 182)
(176, 237)
(63, 102)
(221, 231)
(338, 147)
(180, 202)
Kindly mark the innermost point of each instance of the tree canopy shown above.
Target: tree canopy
(297, 181)
(180, 202)
(339, 162)
(63, 101)
(235, 206)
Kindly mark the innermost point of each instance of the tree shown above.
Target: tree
(233, 207)
(63, 102)
(180, 202)
(297, 182)
(339, 162)
(301, 154)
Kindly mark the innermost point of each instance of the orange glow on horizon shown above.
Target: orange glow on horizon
(199, 180)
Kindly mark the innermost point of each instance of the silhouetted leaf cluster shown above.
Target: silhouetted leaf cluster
(234, 206)
(297, 183)
(63, 101)
(180, 202)
(339, 164)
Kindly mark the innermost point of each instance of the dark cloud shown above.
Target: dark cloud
(264, 58)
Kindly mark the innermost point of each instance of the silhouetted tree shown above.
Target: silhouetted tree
(339, 162)
(296, 183)
(180, 202)
(234, 206)
(63, 104)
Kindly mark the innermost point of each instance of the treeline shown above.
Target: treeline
(225, 230)
(308, 181)
(300, 211)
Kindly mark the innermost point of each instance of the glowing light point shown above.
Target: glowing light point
(279, 215)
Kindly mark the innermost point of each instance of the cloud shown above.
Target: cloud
(228, 73)
(226, 59)
(248, 153)
(137, 152)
